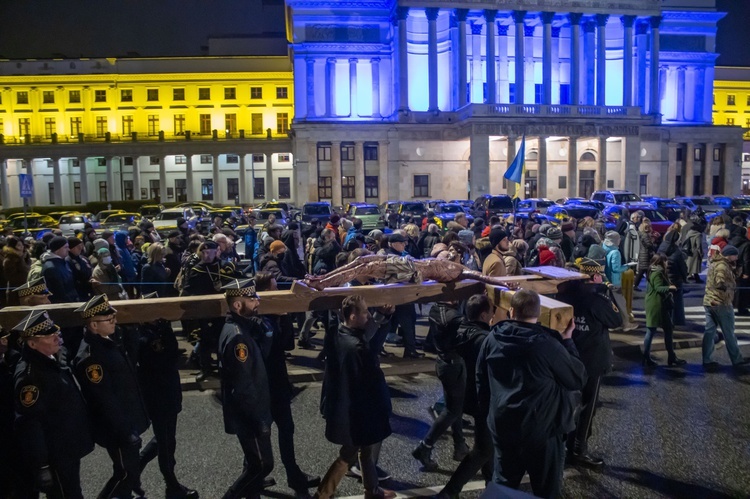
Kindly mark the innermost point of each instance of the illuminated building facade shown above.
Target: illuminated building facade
(416, 99)
(173, 129)
(732, 108)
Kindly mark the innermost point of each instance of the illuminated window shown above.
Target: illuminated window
(178, 94)
(325, 187)
(748, 100)
(256, 123)
(730, 121)
(256, 92)
(347, 187)
(698, 154)
(127, 190)
(127, 125)
(207, 189)
(74, 96)
(421, 186)
(230, 123)
(75, 163)
(643, 185)
(285, 188)
(153, 125)
(259, 188)
(206, 159)
(204, 94)
(258, 158)
(77, 192)
(103, 190)
(49, 127)
(282, 93)
(75, 126)
(717, 154)
(283, 158)
(22, 98)
(232, 159)
(324, 153)
(152, 94)
(153, 186)
(126, 95)
(100, 96)
(205, 123)
(179, 124)
(371, 186)
(101, 126)
(371, 153)
(347, 153)
(180, 189)
(230, 93)
(24, 126)
(179, 159)
(730, 100)
(48, 97)
(282, 122)
(233, 188)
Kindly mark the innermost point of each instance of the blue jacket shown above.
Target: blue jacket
(59, 278)
(127, 270)
(350, 234)
(613, 266)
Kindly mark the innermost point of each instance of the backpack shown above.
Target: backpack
(687, 247)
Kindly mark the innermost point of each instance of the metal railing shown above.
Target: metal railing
(479, 110)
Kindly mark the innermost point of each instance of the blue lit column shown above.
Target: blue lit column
(57, 179)
(641, 30)
(489, 16)
(601, 59)
(375, 66)
(518, 19)
(310, 82)
(556, 73)
(575, 59)
(572, 167)
(462, 81)
(700, 91)
(627, 61)
(403, 64)
(589, 59)
(189, 181)
(330, 85)
(529, 86)
(432, 58)
(655, 104)
(547, 18)
(218, 197)
(353, 111)
(681, 97)
(502, 76)
(336, 173)
(477, 77)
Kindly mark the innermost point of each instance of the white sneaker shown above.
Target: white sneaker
(630, 327)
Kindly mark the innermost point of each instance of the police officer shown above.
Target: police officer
(159, 378)
(594, 313)
(108, 381)
(51, 419)
(244, 386)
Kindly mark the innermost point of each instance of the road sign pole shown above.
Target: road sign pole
(25, 218)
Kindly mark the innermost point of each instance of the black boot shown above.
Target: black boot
(423, 454)
(178, 491)
(648, 361)
(673, 360)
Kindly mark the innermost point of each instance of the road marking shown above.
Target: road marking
(431, 491)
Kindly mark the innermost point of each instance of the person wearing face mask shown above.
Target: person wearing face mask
(105, 279)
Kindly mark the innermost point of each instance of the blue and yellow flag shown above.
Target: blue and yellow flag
(515, 170)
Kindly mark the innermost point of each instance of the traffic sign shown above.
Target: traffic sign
(26, 183)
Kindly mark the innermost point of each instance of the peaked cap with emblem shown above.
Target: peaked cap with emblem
(98, 305)
(37, 323)
(33, 287)
(240, 287)
(589, 266)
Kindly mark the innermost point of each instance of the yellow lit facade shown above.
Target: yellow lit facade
(732, 107)
(110, 129)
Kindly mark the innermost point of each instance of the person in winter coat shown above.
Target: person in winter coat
(659, 305)
(514, 262)
(333, 225)
(428, 239)
(567, 244)
(57, 273)
(613, 269)
(522, 250)
(647, 238)
(16, 265)
(81, 268)
(271, 262)
(105, 280)
(527, 376)
(127, 266)
(694, 246)
(676, 271)
(631, 244)
(355, 400)
(325, 250)
(155, 276)
(494, 263)
(718, 242)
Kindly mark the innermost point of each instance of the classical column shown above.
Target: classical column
(479, 161)
(403, 62)
(110, 179)
(547, 18)
(529, 91)
(462, 58)
(572, 167)
(336, 200)
(312, 170)
(163, 179)
(556, 66)
(655, 104)
(589, 59)
(57, 181)
(218, 191)
(689, 170)
(627, 60)
(477, 77)
(641, 30)
(631, 162)
(732, 184)
(375, 67)
(489, 16)
(601, 177)
(518, 19)
(681, 97)
(541, 173)
(708, 169)
(136, 178)
(353, 111)
(510, 186)
(84, 179)
(189, 184)
(243, 179)
(575, 59)
(359, 170)
(29, 163)
(432, 58)
(4, 190)
(502, 75)
(270, 185)
(601, 59)
(700, 91)
(670, 179)
(383, 170)
(310, 77)
(330, 85)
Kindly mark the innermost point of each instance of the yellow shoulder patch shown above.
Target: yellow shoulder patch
(95, 373)
(29, 395)
(240, 351)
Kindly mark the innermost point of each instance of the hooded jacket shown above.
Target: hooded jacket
(527, 376)
(272, 264)
(469, 340)
(59, 278)
(127, 266)
(513, 265)
(613, 267)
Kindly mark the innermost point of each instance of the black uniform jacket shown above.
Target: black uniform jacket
(52, 425)
(594, 313)
(444, 322)
(108, 382)
(244, 381)
(469, 340)
(355, 400)
(157, 369)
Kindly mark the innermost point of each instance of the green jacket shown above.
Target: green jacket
(720, 283)
(656, 292)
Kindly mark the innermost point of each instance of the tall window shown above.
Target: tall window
(371, 186)
(230, 93)
(22, 98)
(282, 122)
(259, 188)
(101, 126)
(207, 189)
(24, 126)
(51, 188)
(347, 187)
(153, 187)
(77, 192)
(74, 96)
(103, 190)
(230, 123)
(180, 190)
(152, 94)
(127, 125)
(325, 188)
(324, 153)
(204, 93)
(371, 152)
(48, 97)
(421, 186)
(643, 185)
(127, 188)
(730, 100)
(100, 96)
(206, 159)
(126, 95)
(256, 123)
(75, 126)
(205, 124)
(256, 92)
(178, 94)
(347, 153)
(179, 124)
(538, 93)
(285, 188)
(282, 93)
(49, 127)
(233, 188)
(180, 159)
(153, 125)
(730, 121)
(565, 94)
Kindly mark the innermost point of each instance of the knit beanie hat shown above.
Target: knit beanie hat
(546, 257)
(730, 250)
(56, 243)
(497, 234)
(99, 244)
(554, 233)
(466, 236)
(276, 246)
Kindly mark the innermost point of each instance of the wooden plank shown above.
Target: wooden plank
(555, 314)
(552, 277)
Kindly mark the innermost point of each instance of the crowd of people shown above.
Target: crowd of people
(532, 391)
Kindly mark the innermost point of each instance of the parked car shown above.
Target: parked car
(667, 207)
(288, 208)
(446, 212)
(36, 226)
(120, 221)
(208, 218)
(370, 214)
(312, 212)
(704, 202)
(57, 215)
(620, 197)
(102, 215)
(432, 203)
(563, 213)
(659, 222)
(262, 217)
(488, 205)
(723, 201)
(167, 220)
(411, 209)
(567, 200)
(149, 211)
(539, 205)
(740, 206)
(69, 224)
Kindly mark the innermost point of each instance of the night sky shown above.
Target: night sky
(733, 40)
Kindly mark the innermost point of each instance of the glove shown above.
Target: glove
(44, 480)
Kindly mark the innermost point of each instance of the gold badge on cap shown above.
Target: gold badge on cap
(95, 373)
(29, 395)
(240, 351)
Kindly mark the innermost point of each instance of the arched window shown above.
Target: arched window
(587, 156)
(532, 156)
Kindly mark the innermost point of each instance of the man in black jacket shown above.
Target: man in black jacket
(57, 273)
(527, 376)
(51, 421)
(108, 381)
(244, 386)
(594, 314)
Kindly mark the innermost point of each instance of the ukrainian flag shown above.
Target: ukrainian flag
(515, 170)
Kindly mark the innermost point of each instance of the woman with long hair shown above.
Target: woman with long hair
(646, 252)
(155, 276)
(659, 304)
